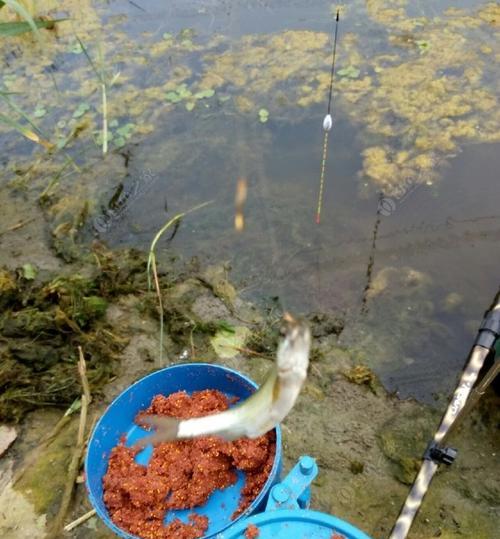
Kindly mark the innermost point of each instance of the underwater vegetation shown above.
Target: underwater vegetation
(423, 86)
(418, 87)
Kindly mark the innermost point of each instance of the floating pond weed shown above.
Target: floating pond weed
(263, 115)
(404, 98)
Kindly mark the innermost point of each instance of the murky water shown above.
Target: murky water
(416, 124)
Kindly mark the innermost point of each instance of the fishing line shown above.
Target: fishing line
(327, 125)
(251, 143)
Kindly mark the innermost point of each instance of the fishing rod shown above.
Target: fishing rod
(464, 397)
(327, 125)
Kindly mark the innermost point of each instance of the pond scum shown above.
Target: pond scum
(46, 317)
(423, 86)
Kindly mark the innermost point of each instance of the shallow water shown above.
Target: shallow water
(412, 279)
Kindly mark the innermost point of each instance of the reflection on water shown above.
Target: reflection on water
(410, 224)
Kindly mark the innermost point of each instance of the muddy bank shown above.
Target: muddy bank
(367, 442)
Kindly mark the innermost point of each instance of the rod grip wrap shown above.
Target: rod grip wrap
(489, 331)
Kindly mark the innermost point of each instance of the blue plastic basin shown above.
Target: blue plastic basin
(295, 524)
(118, 420)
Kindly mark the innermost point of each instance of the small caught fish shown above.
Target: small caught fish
(258, 414)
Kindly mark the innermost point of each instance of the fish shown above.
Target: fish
(257, 414)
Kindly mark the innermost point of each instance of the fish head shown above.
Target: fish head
(293, 351)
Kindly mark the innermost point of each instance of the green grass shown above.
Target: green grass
(11, 29)
(28, 24)
(33, 132)
(152, 272)
(105, 85)
(22, 12)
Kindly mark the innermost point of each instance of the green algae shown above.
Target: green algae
(414, 155)
(43, 323)
(426, 103)
(8, 287)
(403, 441)
(42, 483)
(362, 375)
(362, 462)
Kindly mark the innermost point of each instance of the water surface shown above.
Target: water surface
(412, 277)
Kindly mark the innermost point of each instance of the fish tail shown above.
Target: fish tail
(167, 430)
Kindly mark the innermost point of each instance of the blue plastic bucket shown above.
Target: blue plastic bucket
(295, 524)
(118, 421)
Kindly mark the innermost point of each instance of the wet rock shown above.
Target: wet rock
(42, 482)
(314, 391)
(335, 360)
(227, 343)
(209, 308)
(256, 368)
(216, 278)
(18, 518)
(138, 359)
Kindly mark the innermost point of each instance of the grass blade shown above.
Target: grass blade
(23, 13)
(10, 29)
(15, 108)
(28, 133)
(151, 269)
(104, 120)
(102, 79)
(89, 59)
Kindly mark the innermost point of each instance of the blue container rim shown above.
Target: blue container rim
(304, 516)
(273, 474)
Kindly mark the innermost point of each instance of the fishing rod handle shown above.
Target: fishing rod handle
(489, 331)
(461, 394)
(414, 500)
